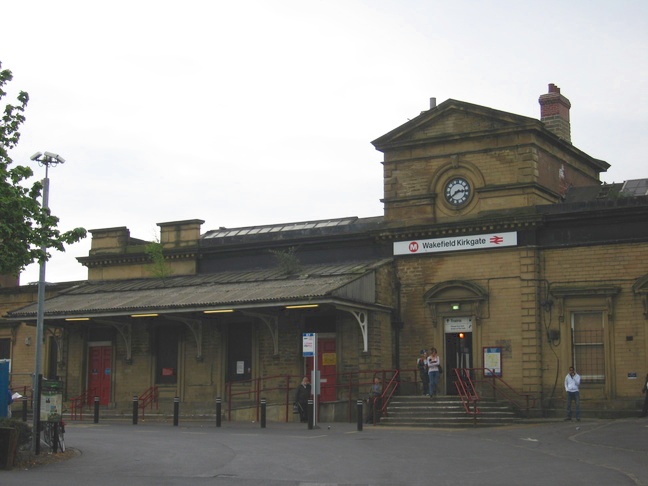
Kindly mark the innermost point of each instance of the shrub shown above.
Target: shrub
(24, 429)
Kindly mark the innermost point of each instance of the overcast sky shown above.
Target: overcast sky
(262, 111)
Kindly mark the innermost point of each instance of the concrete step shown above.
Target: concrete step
(446, 411)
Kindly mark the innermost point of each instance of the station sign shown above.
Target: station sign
(458, 324)
(308, 344)
(456, 243)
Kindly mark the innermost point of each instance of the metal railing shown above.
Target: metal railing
(467, 391)
(27, 400)
(348, 386)
(470, 380)
(388, 392)
(253, 388)
(354, 385)
(502, 390)
(77, 403)
(150, 397)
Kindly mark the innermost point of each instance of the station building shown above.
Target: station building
(499, 246)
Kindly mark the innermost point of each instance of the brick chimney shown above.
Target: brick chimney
(554, 112)
(9, 281)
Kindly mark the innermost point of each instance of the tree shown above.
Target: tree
(287, 260)
(159, 268)
(25, 225)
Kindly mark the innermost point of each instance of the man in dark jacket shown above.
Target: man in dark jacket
(301, 400)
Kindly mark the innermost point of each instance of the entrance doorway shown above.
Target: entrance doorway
(458, 349)
(327, 366)
(99, 374)
(239, 352)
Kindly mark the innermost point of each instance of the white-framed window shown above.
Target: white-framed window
(588, 345)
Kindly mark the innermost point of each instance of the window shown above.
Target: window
(5, 348)
(166, 352)
(588, 350)
(52, 359)
(239, 349)
(5, 351)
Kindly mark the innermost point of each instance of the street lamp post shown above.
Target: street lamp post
(47, 159)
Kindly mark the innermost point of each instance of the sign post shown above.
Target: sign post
(310, 350)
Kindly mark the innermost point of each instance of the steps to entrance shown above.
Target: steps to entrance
(446, 412)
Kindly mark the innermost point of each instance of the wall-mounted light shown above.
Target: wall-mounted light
(455, 307)
(144, 315)
(305, 306)
(28, 341)
(218, 311)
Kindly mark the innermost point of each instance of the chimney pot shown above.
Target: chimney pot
(554, 112)
(432, 103)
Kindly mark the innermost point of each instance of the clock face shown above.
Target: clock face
(457, 191)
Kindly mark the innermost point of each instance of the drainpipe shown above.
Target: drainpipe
(397, 323)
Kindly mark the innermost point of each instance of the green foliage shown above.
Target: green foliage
(287, 260)
(159, 267)
(25, 226)
(24, 429)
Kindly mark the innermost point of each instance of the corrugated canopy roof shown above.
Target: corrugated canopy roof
(346, 282)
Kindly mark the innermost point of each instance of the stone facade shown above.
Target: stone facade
(497, 239)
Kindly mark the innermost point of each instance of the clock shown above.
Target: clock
(457, 191)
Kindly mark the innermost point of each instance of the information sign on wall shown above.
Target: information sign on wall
(493, 361)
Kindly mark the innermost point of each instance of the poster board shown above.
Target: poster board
(51, 405)
(492, 361)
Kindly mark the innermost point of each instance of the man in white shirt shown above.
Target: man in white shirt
(572, 384)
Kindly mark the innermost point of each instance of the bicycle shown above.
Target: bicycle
(53, 434)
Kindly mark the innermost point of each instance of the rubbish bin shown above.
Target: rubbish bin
(8, 447)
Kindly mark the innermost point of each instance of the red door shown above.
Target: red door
(326, 364)
(99, 374)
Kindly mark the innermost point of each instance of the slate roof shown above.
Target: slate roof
(253, 288)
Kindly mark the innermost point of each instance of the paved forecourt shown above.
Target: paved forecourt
(239, 454)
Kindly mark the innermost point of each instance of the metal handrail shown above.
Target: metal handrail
(352, 382)
(27, 398)
(149, 397)
(77, 403)
(389, 391)
(467, 391)
(504, 389)
(256, 389)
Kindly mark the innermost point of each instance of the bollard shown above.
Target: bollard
(135, 406)
(176, 410)
(96, 410)
(263, 413)
(359, 407)
(218, 412)
(310, 414)
(24, 409)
